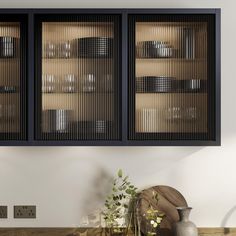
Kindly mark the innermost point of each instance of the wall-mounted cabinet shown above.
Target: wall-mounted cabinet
(110, 77)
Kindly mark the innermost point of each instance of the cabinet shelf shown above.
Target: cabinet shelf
(77, 93)
(77, 58)
(172, 59)
(174, 92)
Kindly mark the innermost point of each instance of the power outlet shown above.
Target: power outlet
(25, 212)
(3, 212)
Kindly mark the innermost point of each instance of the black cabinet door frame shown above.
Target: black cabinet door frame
(21, 16)
(31, 141)
(214, 97)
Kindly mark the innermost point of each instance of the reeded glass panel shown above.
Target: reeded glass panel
(171, 67)
(11, 75)
(80, 82)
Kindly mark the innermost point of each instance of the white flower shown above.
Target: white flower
(155, 225)
(158, 220)
(152, 222)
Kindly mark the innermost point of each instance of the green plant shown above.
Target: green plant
(117, 203)
(153, 216)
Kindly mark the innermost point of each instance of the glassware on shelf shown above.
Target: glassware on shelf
(9, 47)
(174, 113)
(182, 113)
(65, 49)
(148, 120)
(88, 83)
(56, 120)
(50, 49)
(191, 113)
(69, 83)
(49, 83)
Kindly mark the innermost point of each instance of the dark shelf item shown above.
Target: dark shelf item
(8, 89)
(94, 47)
(191, 85)
(9, 47)
(155, 84)
(165, 84)
(56, 120)
(92, 127)
(188, 44)
(154, 49)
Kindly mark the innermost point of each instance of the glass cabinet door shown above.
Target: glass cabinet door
(78, 77)
(171, 77)
(13, 94)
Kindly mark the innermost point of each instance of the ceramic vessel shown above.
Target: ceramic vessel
(185, 227)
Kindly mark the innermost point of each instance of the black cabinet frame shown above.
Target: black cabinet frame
(31, 96)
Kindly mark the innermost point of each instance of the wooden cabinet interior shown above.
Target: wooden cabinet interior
(78, 80)
(9, 78)
(173, 109)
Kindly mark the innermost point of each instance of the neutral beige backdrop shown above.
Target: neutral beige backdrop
(65, 182)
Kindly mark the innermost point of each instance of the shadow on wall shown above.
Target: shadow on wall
(146, 160)
(95, 198)
(226, 219)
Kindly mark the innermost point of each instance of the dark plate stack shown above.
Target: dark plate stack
(154, 49)
(192, 85)
(9, 47)
(8, 89)
(94, 47)
(92, 127)
(155, 84)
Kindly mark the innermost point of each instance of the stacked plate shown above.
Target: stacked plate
(192, 85)
(155, 84)
(154, 49)
(94, 47)
(92, 127)
(8, 89)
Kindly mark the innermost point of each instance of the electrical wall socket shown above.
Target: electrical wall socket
(25, 212)
(3, 212)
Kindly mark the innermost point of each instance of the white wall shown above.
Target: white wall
(61, 181)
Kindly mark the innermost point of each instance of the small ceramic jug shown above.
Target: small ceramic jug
(185, 227)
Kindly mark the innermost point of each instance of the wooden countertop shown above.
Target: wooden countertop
(95, 232)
